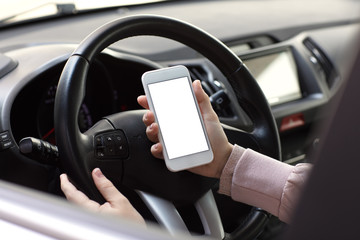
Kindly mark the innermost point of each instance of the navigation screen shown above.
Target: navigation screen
(277, 76)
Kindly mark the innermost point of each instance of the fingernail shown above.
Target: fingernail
(98, 173)
(63, 176)
(196, 82)
(151, 126)
(156, 146)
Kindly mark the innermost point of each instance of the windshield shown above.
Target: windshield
(19, 10)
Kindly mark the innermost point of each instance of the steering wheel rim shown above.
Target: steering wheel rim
(75, 147)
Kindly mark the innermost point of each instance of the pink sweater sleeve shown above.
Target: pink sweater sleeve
(255, 179)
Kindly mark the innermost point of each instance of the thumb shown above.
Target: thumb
(203, 100)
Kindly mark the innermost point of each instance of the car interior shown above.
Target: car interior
(68, 82)
(332, 183)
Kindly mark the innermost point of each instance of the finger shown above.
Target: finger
(152, 132)
(157, 151)
(142, 100)
(107, 189)
(148, 118)
(73, 194)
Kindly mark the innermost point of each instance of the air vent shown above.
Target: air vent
(218, 96)
(198, 72)
(203, 74)
(324, 62)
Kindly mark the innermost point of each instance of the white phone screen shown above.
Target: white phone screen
(178, 118)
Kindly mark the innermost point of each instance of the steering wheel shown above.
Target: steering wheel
(118, 143)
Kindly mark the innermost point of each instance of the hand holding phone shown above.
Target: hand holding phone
(181, 128)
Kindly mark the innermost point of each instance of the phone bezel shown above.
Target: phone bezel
(187, 161)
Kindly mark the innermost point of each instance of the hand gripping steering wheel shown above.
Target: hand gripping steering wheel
(118, 143)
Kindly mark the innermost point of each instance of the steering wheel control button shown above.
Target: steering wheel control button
(111, 145)
(4, 136)
(219, 99)
(98, 141)
(5, 141)
(5, 145)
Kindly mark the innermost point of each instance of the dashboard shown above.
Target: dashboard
(300, 55)
(299, 66)
(298, 73)
(112, 86)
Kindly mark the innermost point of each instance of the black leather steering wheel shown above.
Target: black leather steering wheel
(118, 144)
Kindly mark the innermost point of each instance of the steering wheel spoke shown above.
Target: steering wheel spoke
(240, 137)
(166, 214)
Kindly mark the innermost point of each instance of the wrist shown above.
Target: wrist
(226, 154)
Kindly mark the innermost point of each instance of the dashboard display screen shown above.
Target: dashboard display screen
(277, 76)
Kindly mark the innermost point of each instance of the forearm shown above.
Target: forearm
(261, 181)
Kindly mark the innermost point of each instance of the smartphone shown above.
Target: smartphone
(182, 130)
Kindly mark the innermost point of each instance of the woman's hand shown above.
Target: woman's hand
(218, 140)
(117, 204)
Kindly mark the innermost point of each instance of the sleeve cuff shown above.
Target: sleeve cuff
(228, 171)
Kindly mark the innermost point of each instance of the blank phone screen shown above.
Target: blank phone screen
(178, 117)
